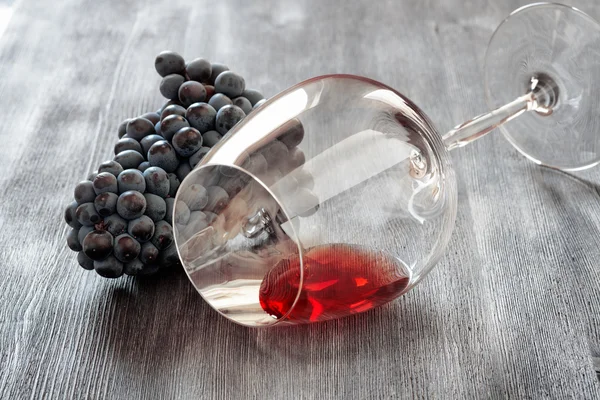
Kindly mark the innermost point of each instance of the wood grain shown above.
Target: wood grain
(513, 310)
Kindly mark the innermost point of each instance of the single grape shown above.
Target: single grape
(291, 133)
(233, 185)
(73, 241)
(149, 253)
(216, 71)
(167, 104)
(156, 208)
(115, 224)
(126, 248)
(217, 199)
(169, 62)
(210, 91)
(87, 215)
(131, 205)
(196, 223)
(174, 183)
(109, 268)
(173, 109)
(169, 257)
(169, 86)
(105, 182)
(131, 179)
(129, 159)
(276, 153)
(122, 129)
(83, 231)
(230, 84)
(139, 127)
(182, 213)
(143, 166)
(259, 103)
(162, 154)
(210, 138)
(210, 216)
(187, 141)
(153, 117)
(256, 164)
(148, 141)
(305, 179)
(172, 124)
(201, 116)
(106, 203)
(127, 144)
(242, 103)
(191, 92)
(197, 156)
(71, 216)
(183, 170)
(253, 95)
(84, 192)
(92, 175)
(296, 158)
(98, 245)
(195, 197)
(112, 167)
(199, 70)
(137, 267)
(157, 181)
(163, 235)
(227, 117)
(219, 100)
(85, 261)
(141, 228)
(170, 202)
(158, 128)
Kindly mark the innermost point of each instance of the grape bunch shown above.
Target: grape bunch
(121, 215)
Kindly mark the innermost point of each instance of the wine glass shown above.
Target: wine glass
(338, 195)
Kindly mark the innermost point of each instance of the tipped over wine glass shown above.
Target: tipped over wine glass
(338, 195)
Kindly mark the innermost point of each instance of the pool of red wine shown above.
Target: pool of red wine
(339, 280)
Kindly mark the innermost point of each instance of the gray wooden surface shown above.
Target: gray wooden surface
(512, 310)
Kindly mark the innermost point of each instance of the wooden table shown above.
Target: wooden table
(512, 310)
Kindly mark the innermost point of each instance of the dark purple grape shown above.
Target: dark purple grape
(92, 176)
(148, 141)
(85, 261)
(162, 155)
(243, 103)
(129, 159)
(253, 95)
(137, 267)
(210, 91)
(199, 70)
(191, 92)
(152, 117)
(187, 141)
(112, 167)
(182, 213)
(105, 182)
(87, 215)
(183, 170)
(169, 62)
(230, 84)
(216, 71)
(210, 138)
(156, 208)
(109, 268)
(157, 181)
(98, 245)
(115, 224)
(197, 156)
(143, 166)
(169, 86)
(149, 253)
(217, 199)
(227, 117)
(83, 231)
(259, 103)
(84, 192)
(122, 129)
(276, 153)
(169, 257)
(131, 179)
(201, 116)
(73, 241)
(195, 197)
(139, 127)
(106, 203)
(174, 183)
(142, 228)
(163, 235)
(127, 144)
(167, 104)
(126, 248)
(291, 133)
(256, 164)
(173, 109)
(170, 202)
(131, 205)
(71, 216)
(171, 125)
(219, 100)
(158, 128)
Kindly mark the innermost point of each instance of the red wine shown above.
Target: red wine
(339, 280)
